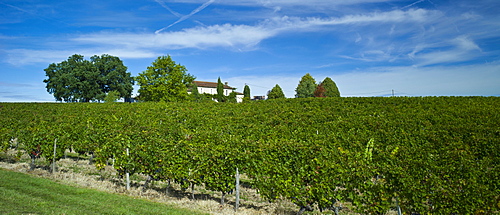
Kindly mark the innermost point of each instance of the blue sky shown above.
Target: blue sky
(368, 47)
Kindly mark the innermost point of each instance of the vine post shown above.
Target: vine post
(127, 175)
(32, 166)
(237, 191)
(398, 207)
(192, 191)
(191, 184)
(54, 158)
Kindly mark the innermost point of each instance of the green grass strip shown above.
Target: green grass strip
(24, 194)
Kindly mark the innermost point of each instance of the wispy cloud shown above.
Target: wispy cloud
(460, 49)
(29, 56)
(13, 97)
(5, 84)
(246, 35)
(23, 92)
(226, 35)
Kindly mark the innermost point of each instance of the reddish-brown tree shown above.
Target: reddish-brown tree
(320, 91)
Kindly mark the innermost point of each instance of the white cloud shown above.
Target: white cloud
(412, 15)
(424, 81)
(226, 35)
(465, 43)
(229, 35)
(126, 53)
(460, 49)
(470, 15)
(24, 92)
(27, 56)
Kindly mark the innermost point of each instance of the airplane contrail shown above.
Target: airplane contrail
(44, 18)
(168, 8)
(200, 8)
(414, 3)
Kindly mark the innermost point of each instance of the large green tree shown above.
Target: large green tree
(330, 87)
(306, 87)
(80, 80)
(113, 75)
(165, 81)
(276, 93)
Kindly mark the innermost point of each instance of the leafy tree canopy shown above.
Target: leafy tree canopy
(165, 81)
(306, 87)
(276, 93)
(80, 80)
(330, 88)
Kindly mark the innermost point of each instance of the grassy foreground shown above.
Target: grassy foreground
(25, 194)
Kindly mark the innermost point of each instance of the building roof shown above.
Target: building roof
(207, 84)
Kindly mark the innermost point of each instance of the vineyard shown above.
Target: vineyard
(438, 155)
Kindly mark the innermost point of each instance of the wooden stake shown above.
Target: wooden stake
(54, 158)
(192, 191)
(237, 191)
(127, 175)
(397, 205)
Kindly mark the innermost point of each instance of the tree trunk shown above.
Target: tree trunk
(222, 198)
(32, 166)
(304, 209)
(301, 211)
(336, 210)
(167, 190)
(148, 180)
(91, 159)
(192, 191)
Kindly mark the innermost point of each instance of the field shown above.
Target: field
(422, 154)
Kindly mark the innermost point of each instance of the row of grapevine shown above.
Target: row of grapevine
(431, 154)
